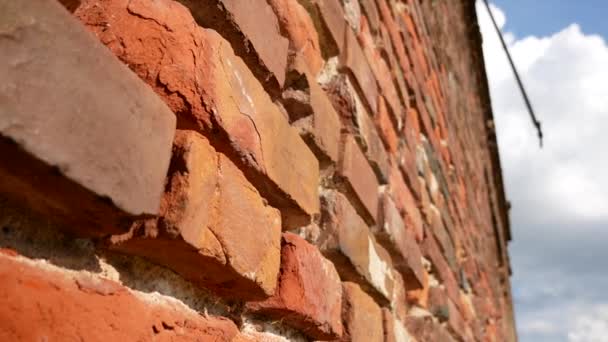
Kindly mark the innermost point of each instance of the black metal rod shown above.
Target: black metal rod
(535, 121)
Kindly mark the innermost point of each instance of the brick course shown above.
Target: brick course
(264, 170)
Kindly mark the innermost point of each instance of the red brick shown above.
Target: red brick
(357, 120)
(215, 229)
(406, 203)
(373, 146)
(412, 127)
(312, 112)
(380, 70)
(442, 236)
(64, 144)
(360, 176)
(388, 133)
(252, 29)
(330, 22)
(407, 164)
(212, 90)
(456, 322)
(309, 294)
(394, 34)
(395, 66)
(400, 241)
(41, 302)
(372, 15)
(296, 23)
(353, 59)
(348, 242)
(431, 251)
(361, 315)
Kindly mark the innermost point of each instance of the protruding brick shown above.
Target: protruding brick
(371, 12)
(82, 139)
(312, 112)
(309, 294)
(431, 251)
(395, 66)
(380, 70)
(252, 29)
(357, 121)
(353, 59)
(296, 23)
(360, 177)
(388, 133)
(330, 22)
(348, 243)
(405, 203)
(199, 76)
(361, 315)
(215, 229)
(399, 240)
(42, 302)
(443, 236)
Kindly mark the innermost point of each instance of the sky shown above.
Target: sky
(559, 195)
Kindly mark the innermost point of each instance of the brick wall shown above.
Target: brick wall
(251, 170)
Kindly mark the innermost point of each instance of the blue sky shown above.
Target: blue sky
(545, 17)
(559, 195)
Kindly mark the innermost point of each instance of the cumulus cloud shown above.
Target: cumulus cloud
(559, 194)
(592, 326)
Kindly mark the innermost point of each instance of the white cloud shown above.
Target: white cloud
(559, 194)
(591, 327)
(565, 75)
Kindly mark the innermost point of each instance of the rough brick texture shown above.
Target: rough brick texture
(260, 170)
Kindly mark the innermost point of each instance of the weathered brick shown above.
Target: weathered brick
(361, 315)
(347, 241)
(309, 294)
(42, 302)
(353, 59)
(296, 24)
(443, 236)
(64, 146)
(388, 133)
(312, 112)
(395, 67)
(360, 177)
(329, 19)
(196, 72)
(394, 329)
(380, 70)
(399, 240)
(431, 251)
(395, 36)
(215, 229)
(252, 29)
(357, 120)
(405, 202)
(456, 322)
(371, 12)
